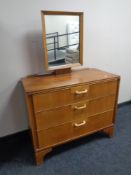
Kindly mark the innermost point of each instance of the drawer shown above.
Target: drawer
(60, 97)
(74, 129)
(102, 89)
(58, 116)
(93, 123)
(101, 104)
(54, 135)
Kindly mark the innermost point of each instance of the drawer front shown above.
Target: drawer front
(63, 97)
(72, 130)
(59, 98)
(94, 123)
(101, 105)
(54, 135)
(103, 89)
(58, 116)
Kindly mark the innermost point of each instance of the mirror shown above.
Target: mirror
(62, 39)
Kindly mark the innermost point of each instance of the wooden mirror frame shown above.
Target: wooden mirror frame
(67, 66)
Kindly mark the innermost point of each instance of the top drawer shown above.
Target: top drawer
(73, 94)
(103, 89)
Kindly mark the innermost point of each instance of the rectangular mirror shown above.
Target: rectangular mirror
(62, 39)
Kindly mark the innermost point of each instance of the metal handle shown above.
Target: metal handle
(80, 124)
(81, 107)
(81, 92)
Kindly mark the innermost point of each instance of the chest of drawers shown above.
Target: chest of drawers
(66, 107)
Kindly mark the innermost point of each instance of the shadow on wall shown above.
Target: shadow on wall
(35, 51)
(14, 112)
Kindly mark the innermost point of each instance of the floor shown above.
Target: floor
(91, 155)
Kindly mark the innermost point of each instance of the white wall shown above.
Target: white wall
(107, 45)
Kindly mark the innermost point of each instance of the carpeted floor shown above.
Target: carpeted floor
(91, 155)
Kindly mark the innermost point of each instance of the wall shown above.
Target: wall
(107, 45)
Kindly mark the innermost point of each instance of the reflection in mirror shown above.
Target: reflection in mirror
(62, 39)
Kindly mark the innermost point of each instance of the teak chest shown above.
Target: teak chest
(66, 107)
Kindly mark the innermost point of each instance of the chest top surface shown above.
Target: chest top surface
(34, 84)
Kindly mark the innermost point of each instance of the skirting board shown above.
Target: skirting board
(124, 103)
(15, 138)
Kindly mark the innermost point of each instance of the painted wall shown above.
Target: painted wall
(107, 45)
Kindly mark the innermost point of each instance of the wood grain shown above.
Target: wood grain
(68, 96)
(37, 84)
(43, 14)
(66, 107)
(68, 131)
(65, 114)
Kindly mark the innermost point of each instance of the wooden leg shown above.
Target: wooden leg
(41, 154)
(109, 131)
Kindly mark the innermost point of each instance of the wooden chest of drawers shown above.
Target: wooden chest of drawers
(65, 107)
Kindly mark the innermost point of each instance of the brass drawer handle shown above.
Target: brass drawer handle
(81, 92)
(80, 124)
(81, 107)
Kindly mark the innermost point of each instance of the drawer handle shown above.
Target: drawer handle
(81, 92)
(80, 124)
(81, 107)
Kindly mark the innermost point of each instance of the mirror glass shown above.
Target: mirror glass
(62, 39)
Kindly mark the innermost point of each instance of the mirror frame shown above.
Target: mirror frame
(80, 14)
